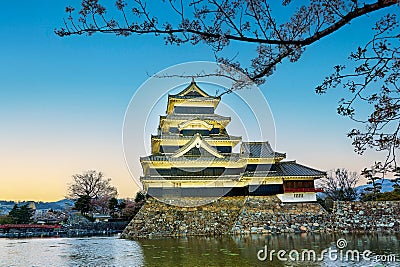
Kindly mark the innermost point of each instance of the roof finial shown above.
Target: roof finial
(192, 79)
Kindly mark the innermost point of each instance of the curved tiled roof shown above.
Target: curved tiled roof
(291, 168)
(175, 116)
(259, 150)
(287, 169)
(192, 91)
(232, 157)
(206, 138)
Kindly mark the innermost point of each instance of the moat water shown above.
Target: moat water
(255, 250)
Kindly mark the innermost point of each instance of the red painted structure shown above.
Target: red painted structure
(29, 226)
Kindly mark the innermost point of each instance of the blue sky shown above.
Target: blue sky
(62, 100)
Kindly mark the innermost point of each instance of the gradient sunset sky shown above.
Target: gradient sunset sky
(63, 100)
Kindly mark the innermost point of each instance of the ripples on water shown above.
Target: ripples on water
(199, 251)
(93, 251)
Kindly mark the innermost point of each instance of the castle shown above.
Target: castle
(192, 156)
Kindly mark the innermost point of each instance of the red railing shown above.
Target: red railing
(288, 190)
(19, 226)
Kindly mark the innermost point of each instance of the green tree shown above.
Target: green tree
(140, 196)
(113, 205)
(83, 204)
(396, 180)
(375, 177)
(122, 205)
(21, 214)
(6, 220)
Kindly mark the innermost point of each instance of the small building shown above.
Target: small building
(101, 217)
(192, 155)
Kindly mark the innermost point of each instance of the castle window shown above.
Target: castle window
(173, 130)
(193, 110)
(214, 131)
(224, 149)
(193, 132)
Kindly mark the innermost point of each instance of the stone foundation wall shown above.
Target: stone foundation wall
(366, 217)
(266, 214)
(157, 219)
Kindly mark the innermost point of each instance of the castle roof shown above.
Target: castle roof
(204, 117)
(287, 169)
(259, 150)
(291, 168)
(192, 93)
(197, 142)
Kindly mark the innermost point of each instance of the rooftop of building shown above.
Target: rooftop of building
(259, 150)
(192, 91)
(289, 169)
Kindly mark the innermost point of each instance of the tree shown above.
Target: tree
(131, 208)
(113, 205)
(140, 196)
(92, 184)
(276, 37)
(6, 220)
(396, 180)
(375, 177)
(122, 205)
(340, 185)
(91, 192)
(101, 204)
(83, 204)
(373, 83)
(217, 23)
(21, 214)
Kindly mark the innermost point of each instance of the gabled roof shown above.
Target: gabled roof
(234, 157)
(259, 150)
(192, 90)
(192, 94)
(195, 123)
(209, 118)
(197, 142)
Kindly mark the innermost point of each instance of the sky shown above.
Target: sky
(63, 100)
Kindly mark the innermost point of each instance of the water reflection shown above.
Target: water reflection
(194, 251)
(242, 251)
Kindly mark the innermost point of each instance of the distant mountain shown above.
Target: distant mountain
(57, 205)
(387, 186)
(6, 203)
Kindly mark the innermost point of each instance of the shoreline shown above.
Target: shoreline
(65, 234)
